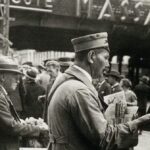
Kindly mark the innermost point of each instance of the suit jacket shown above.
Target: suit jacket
(10, 126)
(116, 88)
(33, 108)
(103, 89)
(143, 94)
(75, 114)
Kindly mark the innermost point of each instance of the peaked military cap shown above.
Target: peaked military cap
(91, 41)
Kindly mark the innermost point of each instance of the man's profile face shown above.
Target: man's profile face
(111, 80)
(100, 62)
(11, 81)
(52, 70)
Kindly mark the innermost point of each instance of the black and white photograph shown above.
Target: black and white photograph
(74, 74)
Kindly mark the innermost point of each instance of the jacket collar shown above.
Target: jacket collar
(72, 73)
(78, 74)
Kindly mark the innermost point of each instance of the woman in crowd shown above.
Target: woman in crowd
(129, 94)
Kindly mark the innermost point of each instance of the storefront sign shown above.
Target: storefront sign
(33, 5)
(32, 148)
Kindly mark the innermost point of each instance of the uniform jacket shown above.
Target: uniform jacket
(74, 113)
(10, 126)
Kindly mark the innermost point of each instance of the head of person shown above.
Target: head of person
(144, 79)
(92, 53)
(65, 63)
(41, 68)
(31, 74)
(53, 68)
(9, 73)
(113, 77)
(125, 83)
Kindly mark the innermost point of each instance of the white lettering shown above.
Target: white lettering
(124, 9)
(16, 1)
(103, 14)
(28, 2)
(78, 8)
(48, 3)
(38, 3)
(137, 8)
(1, 11)
(147, 20)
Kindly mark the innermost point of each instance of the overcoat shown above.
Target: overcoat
(10, 126)
(75, 115)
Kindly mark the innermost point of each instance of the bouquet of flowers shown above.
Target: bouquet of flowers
(43, 139)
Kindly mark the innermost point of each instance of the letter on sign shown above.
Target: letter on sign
(137, 11)
(107, 6)
(16, 1)
(28, 2)
(124, 9)
(48, 3)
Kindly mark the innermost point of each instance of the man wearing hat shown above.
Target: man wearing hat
(65, 62)
(53, 69)
(33, 90)
(113, 79)
(11, 126)
(75, 115)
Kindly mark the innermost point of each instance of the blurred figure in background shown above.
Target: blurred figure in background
(103, 88)
(53, 69)
(129, 94)
(64, 62)
(113, 80)
(32, 91)
(43, 77)
(142, 90)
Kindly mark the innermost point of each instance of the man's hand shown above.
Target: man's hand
(140, 122)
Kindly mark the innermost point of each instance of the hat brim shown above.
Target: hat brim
(29, 76)
(112, 75)
(11, 70)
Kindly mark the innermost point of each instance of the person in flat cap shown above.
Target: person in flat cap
(114, 79)
(75, 114)
(11, 126)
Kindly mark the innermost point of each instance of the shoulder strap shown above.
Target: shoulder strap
(52, 93)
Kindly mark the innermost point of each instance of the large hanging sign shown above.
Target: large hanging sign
(136, 11)
(33, 5)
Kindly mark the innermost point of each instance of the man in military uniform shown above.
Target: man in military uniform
(75, 113)
(11, 126)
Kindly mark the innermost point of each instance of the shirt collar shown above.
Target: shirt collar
(84, 72)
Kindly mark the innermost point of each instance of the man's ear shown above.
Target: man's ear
(91, 56)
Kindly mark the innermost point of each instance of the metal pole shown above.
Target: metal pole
(6, 27)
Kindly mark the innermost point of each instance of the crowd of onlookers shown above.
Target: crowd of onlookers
(30, 96)
(139, 95)
(37, 81)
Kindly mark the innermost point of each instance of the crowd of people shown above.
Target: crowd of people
(65, 95)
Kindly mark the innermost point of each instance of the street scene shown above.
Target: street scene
(74, 75)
